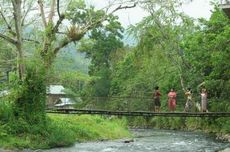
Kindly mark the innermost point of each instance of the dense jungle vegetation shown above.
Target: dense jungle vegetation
(88, 56)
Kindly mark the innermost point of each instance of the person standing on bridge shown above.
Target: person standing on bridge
(203, 100)
(172, 100)
(188, 104)
(156, 96)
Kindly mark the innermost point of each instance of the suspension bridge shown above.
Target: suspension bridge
(140, 113)
(129, 106)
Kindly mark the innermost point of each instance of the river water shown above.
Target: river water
(146, 140)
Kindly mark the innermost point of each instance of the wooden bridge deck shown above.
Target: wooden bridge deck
(140, 113)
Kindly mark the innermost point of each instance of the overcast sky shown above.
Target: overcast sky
(196, 9)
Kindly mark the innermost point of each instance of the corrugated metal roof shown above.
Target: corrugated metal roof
(55, 89)
(65, 101)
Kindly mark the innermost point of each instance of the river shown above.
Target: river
(149, 140)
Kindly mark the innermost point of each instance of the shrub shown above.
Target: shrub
(6, 111)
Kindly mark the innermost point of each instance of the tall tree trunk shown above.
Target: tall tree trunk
(52, 11)
(18, 27)
(21, 66)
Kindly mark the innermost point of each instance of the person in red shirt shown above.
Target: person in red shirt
(172, 100)
(156, 96)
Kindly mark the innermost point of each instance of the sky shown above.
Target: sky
(196, 9)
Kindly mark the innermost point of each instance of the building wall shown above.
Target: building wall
(53, 99)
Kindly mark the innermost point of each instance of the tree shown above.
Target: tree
(31, 90)
(104, 41)
(207, 51)
(158, 57)
(13, 31)
(7, 59)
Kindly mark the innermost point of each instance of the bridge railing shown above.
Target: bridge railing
(143, 101)
(116, 103)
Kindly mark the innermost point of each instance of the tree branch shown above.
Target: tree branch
(123, 7)
(12, 41)
(17, 19)
(58, 9)
(27, 11)
(63, 33)
(52, 11)
(64, 42)
(55, 28)
(120, 7)
(61, 18)
(7, 24)
(42, 12)
(30, 40)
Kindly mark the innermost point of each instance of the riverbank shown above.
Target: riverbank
(225, 150)
(219, 126)
(224, 137)
(65, 130)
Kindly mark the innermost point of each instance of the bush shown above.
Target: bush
(59, 135)
(137, 122)
(193, 123)
(223, 125)
(6, 111)
(160, 122)
(177, 123)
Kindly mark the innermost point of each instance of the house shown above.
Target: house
(57, 98)
(225, 6)
(54, 93)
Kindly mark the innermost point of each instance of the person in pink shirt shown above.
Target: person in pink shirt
(172, 100)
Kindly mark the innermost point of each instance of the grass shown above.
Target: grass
(65, 130)
(88, 128)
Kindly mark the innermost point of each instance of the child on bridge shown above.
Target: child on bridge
(156, 96)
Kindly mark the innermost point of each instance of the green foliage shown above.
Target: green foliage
(225, 127)
(157, 58)
(164, 123)
(30, 95)
(177, 123)
(207, 52)
(60, 135)
(82, 15)
(171, 54)
(69, 60)
(49, 32)
(193, 123)
(138, 122)
(99, 47)
(74, 81)
(92, 128)
(7, 61)
(6, 111)
(62, 130)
